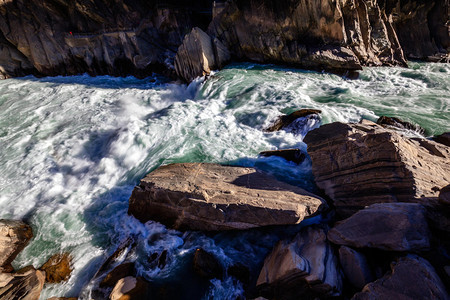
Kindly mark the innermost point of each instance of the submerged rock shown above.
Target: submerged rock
(399, 123)
(286, 120)
(25, 284)
(201, 196)
(14, 236)
(294, 155)
(57, 268)
(412, 277)
(384, 226)
(302, 268)
(355, 267)
(361, 164)
(199, 54)
(206, 264)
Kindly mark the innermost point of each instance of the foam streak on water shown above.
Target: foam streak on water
(73, 148)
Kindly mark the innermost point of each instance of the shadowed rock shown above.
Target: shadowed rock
(412, 277)
(444, 195)
(286, 120)
(130, 288)
(207, 265)
(399, 123)
(385, 226)
(121, 271)
(443, 139)
(26, 284)
(304, 268)
(294, 155)
(14, 236)
(361, 164)
(355, 267)
(200, 196)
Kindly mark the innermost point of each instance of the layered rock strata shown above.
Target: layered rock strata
(26, 284)
(361, 164)
(14, 236)
(200, 196)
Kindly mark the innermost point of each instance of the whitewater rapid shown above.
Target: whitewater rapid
(72, 149)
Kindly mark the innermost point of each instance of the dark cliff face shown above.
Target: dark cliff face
(138, 37)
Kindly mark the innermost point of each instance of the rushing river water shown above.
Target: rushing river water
(72, 148)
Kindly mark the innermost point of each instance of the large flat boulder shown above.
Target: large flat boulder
(384, 226)
(201, 196)
(14, 236)
(412, 277)
(361, 164)
(304, 268)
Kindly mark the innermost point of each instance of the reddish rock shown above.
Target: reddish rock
(444, 195)
(25, 284)
(58, 268)
(200, 196)
(384, 226)
(412, 277)
(394, 122)
(121, 271)
(130, 288)
(361, 164)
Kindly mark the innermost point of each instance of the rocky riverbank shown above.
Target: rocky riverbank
(384, 231)
(184, 40)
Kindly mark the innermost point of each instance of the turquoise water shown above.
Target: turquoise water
(74, 147)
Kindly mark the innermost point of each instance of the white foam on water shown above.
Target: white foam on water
(74, 147)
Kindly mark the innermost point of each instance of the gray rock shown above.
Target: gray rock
(412, 277)
(361, 164)
(355, 267)
(201, 196)
(14, 236)
(304, 267)
(385, 226)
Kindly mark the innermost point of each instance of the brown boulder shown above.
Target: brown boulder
(121, 271)
(361, 164)
(199, 54)
(393, 122)
(25, 284)
(207, 265)
(385, 226)
(294, 155)
(355, 267)
(57, 268)
(444, 195)
(14, 236)
(443, 139)
(302, 268)
(412, 277)
(130, 288)
(286, 120)
(201, 196)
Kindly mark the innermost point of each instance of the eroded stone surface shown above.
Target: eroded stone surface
(58, 268)
(384, 226)
(202, 196)
(14, 236)
(361, 164)
(25, 284)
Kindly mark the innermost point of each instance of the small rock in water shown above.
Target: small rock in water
(240, 272)
(384, 226)
(206, 264)
(286, 120)
(412, 277)
(57, 268)
(14, 236)
(399, 123)
(121, 271)
(294, 155)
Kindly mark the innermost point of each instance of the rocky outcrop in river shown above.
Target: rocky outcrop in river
(200, 196)
(135, 37)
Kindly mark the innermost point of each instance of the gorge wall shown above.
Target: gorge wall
(138, 37)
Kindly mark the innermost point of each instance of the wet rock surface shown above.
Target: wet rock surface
(384, 226)
(206, 264)
(121, 271)
(202, 196)
(393, 122)
(286, 120)
(412, 277)
(58, 268)
(14, 236)
(305, 267)
(361, 164)
(294, 155)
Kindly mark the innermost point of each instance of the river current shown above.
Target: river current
(73, 148)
